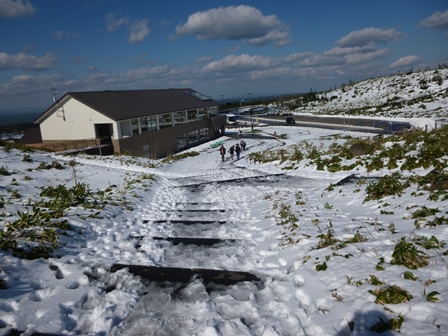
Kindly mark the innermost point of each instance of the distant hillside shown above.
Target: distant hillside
(17, 122)
(17, 118)
(421, 94)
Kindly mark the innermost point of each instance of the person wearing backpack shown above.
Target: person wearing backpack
(243, 145)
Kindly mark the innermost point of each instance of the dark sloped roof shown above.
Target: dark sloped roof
(32, 135)
(119, 105)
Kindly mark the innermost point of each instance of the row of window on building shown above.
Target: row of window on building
(153, 123)
(193, 137)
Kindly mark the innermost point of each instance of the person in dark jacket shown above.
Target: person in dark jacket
(222, 151)
(243, 145)
(232, 152)
(237, 151)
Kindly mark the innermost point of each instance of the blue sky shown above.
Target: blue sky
(224, 49)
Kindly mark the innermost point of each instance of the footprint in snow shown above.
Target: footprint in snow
(322, 306)
(58, 273)
(72, 285)
(41, 294)
(299, 281)
(304, 300)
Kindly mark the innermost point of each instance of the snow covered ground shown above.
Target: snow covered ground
(304, 289)
(421, 94)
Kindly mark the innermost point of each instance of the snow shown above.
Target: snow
(420, 95)
(74, 292)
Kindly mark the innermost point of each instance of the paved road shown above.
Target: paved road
(349, 123)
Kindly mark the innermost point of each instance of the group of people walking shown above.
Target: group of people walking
(234, 149)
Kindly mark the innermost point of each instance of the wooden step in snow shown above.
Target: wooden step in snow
(189, 222)
(194, 241)
(196, 210)
(184, 275)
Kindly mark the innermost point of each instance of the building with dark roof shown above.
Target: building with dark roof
(150, 123)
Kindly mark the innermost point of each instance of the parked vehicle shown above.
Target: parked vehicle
(231, 119)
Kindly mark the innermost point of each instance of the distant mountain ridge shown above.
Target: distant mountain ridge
(422, 94)
(17, 118)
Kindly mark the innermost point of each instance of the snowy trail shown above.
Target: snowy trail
(192, 309)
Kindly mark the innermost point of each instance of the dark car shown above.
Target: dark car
(290, 121)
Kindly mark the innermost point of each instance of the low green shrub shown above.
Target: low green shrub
(4, 171)
(386, 186)
(406, 254)
(424, 211)
(177, 157)
(52, 165)
(391, 295)
(392, 324)
(33, 235)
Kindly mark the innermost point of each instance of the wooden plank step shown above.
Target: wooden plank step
(195, 210)
(184, 275)
(194, 241)
(15, 332)
(189, 222)
(258, 178)
(194, 203)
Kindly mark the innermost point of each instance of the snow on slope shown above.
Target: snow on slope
(419, 94)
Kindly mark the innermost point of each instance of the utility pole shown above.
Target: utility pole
(251, 122)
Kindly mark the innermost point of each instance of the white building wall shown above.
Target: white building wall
(74, 121)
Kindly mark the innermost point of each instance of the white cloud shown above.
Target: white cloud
(364, 37)
(314, 60)
(27, 62)
(366, 57)
(113, 22)
(235, 23)
(238, 63)
(342, 51)
(30, 84)
(279, 38)
(203, 60)
(139, 31)
(437, 20)
(298, 56)
(16, 8)
(405, 61)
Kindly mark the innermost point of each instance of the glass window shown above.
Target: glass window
(202, 113)
(181, 141)
(144, 125)
(148, 124)
(193, 137)
(203, 133)
(152, 123)
(192, 115)
(134, 127)
(212, 111)
(180, 118)
(125, 128)
(165, 120)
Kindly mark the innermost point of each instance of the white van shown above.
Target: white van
(231, 119)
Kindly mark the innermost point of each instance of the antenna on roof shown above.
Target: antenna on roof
(53, 93)
(60, 109)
